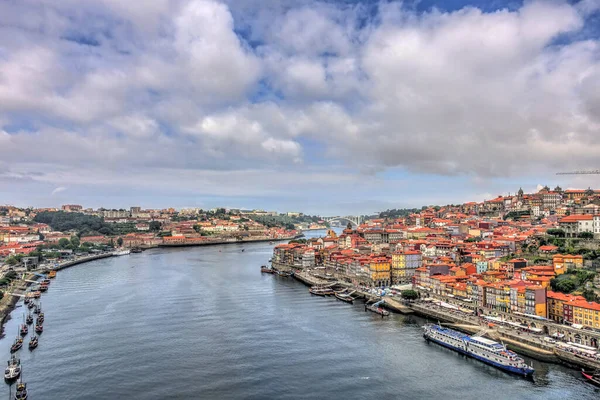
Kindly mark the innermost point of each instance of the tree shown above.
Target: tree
(349, 226)
(63, 243)
(290, 226)
(586, 235)
(566, 285)
(409, 294)
(120, 241)
(558, 189)
(75, 242)
(589, 295)
(154, 226)
(556, 232)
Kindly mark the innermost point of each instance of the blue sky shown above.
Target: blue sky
(324, 107)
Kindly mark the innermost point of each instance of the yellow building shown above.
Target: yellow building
(586, 314)
(379, 270)
(564, 262)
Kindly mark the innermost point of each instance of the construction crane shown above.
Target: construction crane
(590, 172)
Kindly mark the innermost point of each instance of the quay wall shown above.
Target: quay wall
(217, 242)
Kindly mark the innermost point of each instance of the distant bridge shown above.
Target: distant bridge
(354, 220)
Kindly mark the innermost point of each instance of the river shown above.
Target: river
(203, 322)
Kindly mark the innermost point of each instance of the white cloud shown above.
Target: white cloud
(58, 190)
(174, 85)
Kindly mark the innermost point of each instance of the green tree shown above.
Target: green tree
(154, 226)
(586, 235)
(63, 243)
(120, 241)
(556, 232)
(75, 241)
(409, 294)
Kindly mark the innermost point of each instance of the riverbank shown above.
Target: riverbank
(226, 241)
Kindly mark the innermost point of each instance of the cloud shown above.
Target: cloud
(58, 190)
(296, 88)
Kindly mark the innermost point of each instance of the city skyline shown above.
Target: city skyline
(331, 107)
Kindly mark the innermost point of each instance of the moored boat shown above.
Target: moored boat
(29, 319)
(377, 310)
(39, 328)
(40, 319)
(320, 291)
(285, 273)
(344, 297)
(592, 377)
(267, 270)
(13, 369)
(123, 252)
(52, 274)
(33, 342)
(21, 393)
(38, 309)
(17, 344)
(24, 330)
(136, 250)
(37, 294)
(480, 348)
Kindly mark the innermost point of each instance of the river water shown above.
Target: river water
(203, 323)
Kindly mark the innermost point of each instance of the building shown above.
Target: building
(72, 208)
(573, 225)
(536, 301)
(404, 264)
(586, 314)
(379, 271)
(563, 262)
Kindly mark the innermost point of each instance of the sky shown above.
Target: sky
(324, 107)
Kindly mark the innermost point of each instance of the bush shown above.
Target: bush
(409, 294)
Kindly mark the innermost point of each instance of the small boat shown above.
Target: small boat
(52, 274)
(344, 297)
(37, 294)
(285, 273)
(591, 377)
(45, 281)
(377, 310)
(26, 301)
(243, 250)
(21, 393)
(121, 252)
(18, 343)
(136, 250)
(30, 305)
(13, 369)
(39, 328)
(33, 342)
(321, 291)
(39, 320)
(271, 242)
(29, 319)
(267, 270)
(38, 309)
(43, 288)
(24, 330)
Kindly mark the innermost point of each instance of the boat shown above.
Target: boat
(33, 342)
(321, 291)
(39, 328)
(26, 301)
(52, 274)
(271, 242)
(13, 369)
(592, 377)
(43, 288)
(40, 320)
(18, 343)
(377, 310)
(285, 273)
(136, 250)
(478, 347)
(30, 305)
(267, 270)
(24, 330)
(38, 309)
(344, 297)
(122, 252)
(37, 294)
(29, 319)
(21, 392)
